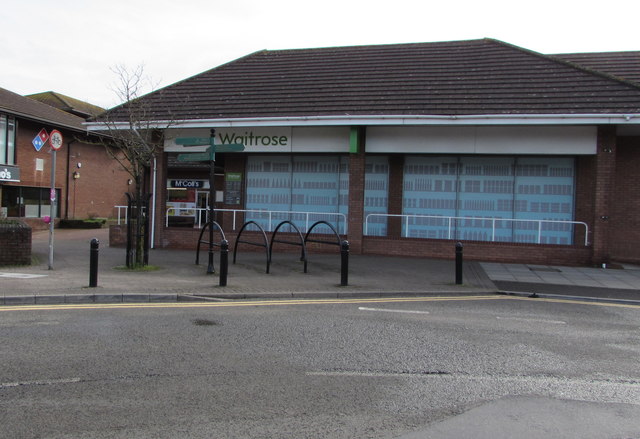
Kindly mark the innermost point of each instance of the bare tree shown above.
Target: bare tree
(133, 137)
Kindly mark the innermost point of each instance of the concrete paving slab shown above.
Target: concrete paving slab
(178, 276)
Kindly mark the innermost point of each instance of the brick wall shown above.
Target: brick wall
(624, 236)
(356, 200)
(605, 168)
(15, 244)
(101, 186)
(396, 184)
(481, 251)
(584, 197)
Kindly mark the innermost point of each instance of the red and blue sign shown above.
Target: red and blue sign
(39, 141)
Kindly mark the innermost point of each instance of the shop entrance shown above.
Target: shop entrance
(202, 200)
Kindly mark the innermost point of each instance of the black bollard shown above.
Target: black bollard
(459, 263)
(224, 262)
(344, 263)
(93, 263)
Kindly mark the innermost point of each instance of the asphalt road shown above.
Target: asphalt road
(477, 367)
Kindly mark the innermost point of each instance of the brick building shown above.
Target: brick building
(406, 149)
(87, 182)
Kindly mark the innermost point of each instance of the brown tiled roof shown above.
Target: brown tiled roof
(625, 65)
(68, 104)
(476, 77)
(17, 105)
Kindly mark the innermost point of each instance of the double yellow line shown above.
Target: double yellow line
(290, 302)
(240, 303)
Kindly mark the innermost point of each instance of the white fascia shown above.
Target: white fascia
(348, 120)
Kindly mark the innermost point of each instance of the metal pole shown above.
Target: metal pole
(212, 198)
(129, 220)
(344, 263)
(52, 205)
(459, 263)
(93, 263)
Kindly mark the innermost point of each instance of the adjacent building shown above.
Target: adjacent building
(88, 183)
(406, 149)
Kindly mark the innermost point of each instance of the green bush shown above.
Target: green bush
(82, 223)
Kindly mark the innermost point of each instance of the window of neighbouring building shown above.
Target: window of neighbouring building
(28, 202)
(298, 183)
(460, 197)
(7, 140)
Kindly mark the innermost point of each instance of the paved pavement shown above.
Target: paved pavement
(176, 276)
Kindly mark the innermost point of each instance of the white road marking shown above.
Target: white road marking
(523, 319)
(40, 383)
(362, 308)
(22, 275)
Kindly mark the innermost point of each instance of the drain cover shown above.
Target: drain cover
(547, 269)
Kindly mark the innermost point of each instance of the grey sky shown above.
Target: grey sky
(70, 46)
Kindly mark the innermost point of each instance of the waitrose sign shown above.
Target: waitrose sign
(258, 139)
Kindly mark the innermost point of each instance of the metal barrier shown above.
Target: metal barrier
(451, 219)
(269, 213)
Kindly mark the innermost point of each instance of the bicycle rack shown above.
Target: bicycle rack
(303, 256)
(265, 245)
(344, 250)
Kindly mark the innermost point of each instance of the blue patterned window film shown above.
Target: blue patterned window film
(545, 189)
(429, 188)
(480, 187)
(376, 194)
(300, 184)
(486, 191)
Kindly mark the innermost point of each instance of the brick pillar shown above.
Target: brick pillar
(161, 198)
(356, 193)
(396, 179)
(604, 191)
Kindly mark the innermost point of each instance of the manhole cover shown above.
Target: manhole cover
(547, 269)
(204, 322)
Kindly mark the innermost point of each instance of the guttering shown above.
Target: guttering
(47, 121)
(349, 120)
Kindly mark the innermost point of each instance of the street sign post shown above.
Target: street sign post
(210, 156)
(55, 141)
(194, 157)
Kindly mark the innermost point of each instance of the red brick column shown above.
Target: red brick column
(161, 199)
(356, 201)
(604, 192)
(396, 180)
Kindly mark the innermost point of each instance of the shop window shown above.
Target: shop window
(520, 190)
(28, 202)
(288, 187)
(181, 207)
(7, 140)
